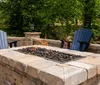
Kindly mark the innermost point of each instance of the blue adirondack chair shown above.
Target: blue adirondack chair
(81, 39)
(3, 41)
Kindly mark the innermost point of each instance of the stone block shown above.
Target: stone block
(12, 63)
(86, 59)
(34, 67)
(95, 55)
(0, 68)
(91, 69)
(13, 54)
(10, 57)
(22, 63)
(3, 75)
(1, 83)
(1, 59)
(5, 60)
(32, 34)
(92, 81)
(66, 75)
(52, 75)
(93, 61)
(7, 71)
(19, 83)
(17, 76)
(27, 81)
(1, 79)
(74, 75)
(87, 54)
(10, 79)
(8, 83)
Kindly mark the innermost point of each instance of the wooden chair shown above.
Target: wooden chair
(3, 41)
(81, 39)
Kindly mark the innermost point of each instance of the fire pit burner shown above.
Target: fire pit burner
(49, 54)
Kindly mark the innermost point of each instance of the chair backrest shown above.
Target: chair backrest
(3, 40)
(83, 34)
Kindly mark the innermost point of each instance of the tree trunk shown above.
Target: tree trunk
(87, 15)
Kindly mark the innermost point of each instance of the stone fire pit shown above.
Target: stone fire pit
(18, 67)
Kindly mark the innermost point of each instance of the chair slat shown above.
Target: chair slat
(3, 40)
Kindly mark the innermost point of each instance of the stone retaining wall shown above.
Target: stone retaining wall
(95, 48)
(25, 41)
(22, 41)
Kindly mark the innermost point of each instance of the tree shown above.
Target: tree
(56, 19)
(21, 13)
(62, 12)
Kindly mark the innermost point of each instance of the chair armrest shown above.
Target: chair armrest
(65, 44)
(13, 43)
(82, 43)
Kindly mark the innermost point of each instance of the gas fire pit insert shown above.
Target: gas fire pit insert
(49, 54)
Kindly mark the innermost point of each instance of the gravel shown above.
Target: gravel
(49, 54)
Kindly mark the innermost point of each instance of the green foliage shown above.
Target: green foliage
(61, 12)
(20, 15)
(96, 29)
(56, 19)
(96, 21)
(2, 21)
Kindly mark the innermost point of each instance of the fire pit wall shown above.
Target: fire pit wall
(23, 69)
(25, 41)
(12, 74)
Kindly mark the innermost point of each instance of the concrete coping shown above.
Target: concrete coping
(32, 32)
(50, 72)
